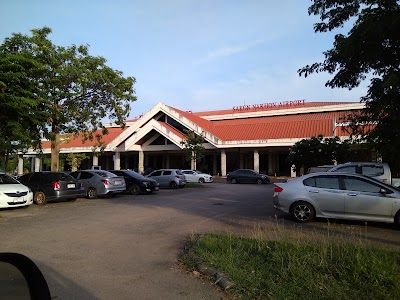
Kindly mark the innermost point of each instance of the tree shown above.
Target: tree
(193, 144)
(371, 49)
(74, 160)
(22, 109)
(80, 89)
(318, 151)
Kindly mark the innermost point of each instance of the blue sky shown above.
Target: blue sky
(191, 54)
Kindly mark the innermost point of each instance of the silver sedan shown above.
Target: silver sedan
(338, 196)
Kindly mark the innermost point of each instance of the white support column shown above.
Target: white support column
(38, 163)
(117, 161)
(95, 160)
(20, 165)
(223, 162)
(256, 161)
(141, 162)
(193, 164)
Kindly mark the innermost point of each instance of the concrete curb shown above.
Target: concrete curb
(219, 278)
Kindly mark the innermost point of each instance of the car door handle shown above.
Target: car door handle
(314, 191)
(352, 194)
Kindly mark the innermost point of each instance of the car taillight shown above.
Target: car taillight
(56, 184)
(177, 176)
(278, 189)
(105, 181)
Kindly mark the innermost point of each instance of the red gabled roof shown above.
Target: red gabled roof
(272, 127)
(266, 108)
(170, 128)
(73, 142)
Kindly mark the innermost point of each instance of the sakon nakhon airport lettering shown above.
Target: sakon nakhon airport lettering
(269, 105)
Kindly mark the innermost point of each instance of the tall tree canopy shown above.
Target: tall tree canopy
(371, 49)
(22, 110)
(317, 151)
(79, 90)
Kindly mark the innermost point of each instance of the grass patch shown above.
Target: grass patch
(300, 269)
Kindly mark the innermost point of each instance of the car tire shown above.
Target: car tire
(39, 198)
(201, 180)
(173, 185)
(397, 219)
(259, 181)
(134, 189)
(302, 212)
(234, 180)
(91, 193)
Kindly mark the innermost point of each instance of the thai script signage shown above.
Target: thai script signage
(269, 105)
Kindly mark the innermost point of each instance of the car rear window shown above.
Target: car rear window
(167, 173)
(179, 172)
(59, 176)
(324, 182)
(105, 174)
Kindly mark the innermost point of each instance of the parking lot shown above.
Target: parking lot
(127, 247)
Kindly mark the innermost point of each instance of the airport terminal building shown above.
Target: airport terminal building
(251, 136)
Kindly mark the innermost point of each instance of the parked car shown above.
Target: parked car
(47, 186)
(137, 183)
(13, 193)
(379, 171)
(99, 182)
(247, 176)
(172, 178)
(338, 196)
(197, 176)
(323, 168)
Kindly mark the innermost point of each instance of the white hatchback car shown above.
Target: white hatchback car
(197, 176)
(13, 193)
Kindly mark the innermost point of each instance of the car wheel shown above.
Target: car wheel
(303, 212)
(259, 181)
(40, 198)
(234, 180)
(173, 185)
(201, 180)
(397, 219)
(91, 193)
(134, 189)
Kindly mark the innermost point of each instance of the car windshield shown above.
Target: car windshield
(199, 172)
(134, 174)
(5, 179)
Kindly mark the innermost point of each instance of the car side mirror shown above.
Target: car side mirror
(20, 278)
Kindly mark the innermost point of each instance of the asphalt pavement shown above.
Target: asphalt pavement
(128, 247)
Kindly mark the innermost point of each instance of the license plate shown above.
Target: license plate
(118, 182)
(71, 185)
(18, 200)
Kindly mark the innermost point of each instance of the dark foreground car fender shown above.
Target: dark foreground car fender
(34, 279)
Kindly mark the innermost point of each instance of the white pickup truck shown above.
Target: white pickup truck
(379, 171)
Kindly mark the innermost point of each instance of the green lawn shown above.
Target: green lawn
(281, 269)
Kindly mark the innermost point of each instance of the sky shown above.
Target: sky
(191, 54)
